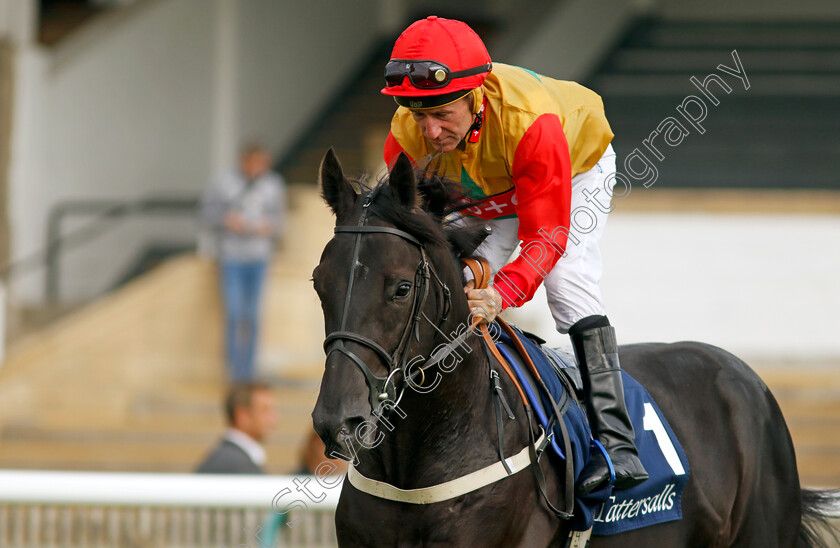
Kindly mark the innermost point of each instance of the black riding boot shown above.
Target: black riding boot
(597, 353)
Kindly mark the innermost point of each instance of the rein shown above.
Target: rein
(482, 273)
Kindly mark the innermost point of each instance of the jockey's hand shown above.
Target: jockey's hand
(484, 303)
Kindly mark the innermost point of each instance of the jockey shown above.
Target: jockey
(535, 153)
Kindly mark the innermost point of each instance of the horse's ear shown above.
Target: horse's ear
(403, 182)
(464, 241)
(433, 195)
(335, 188)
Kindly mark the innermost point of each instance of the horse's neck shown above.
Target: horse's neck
(435, 433)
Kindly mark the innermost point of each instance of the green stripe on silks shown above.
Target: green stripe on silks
(474, 192)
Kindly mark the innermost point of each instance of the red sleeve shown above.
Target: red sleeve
(542, 178)
(392, 150)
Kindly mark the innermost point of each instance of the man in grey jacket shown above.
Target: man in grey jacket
(246, 210)
(250, 413)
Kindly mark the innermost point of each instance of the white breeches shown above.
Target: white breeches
(572, 286)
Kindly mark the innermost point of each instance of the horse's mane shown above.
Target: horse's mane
(431, 221)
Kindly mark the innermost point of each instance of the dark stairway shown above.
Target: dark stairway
(782, 132)
(359, 110)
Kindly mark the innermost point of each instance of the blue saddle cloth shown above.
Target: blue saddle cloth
(608, 512)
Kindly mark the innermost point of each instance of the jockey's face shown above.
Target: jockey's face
(445, 126)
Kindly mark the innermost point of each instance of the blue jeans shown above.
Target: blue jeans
(241, 289)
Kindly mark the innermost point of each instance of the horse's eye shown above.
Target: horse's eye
(403, 290)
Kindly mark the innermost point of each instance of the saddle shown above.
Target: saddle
(556, 385)
(547, 395)
(551, 386)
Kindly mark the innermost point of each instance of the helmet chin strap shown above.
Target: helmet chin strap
(475, 129)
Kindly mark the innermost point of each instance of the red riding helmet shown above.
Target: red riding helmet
(434, 62)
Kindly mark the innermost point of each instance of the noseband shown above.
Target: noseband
(384, 391)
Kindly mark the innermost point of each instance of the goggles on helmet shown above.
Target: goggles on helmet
(426, 74)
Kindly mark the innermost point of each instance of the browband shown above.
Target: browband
(383, 229)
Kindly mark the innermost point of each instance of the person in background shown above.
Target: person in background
(245, 208)
(251, 416)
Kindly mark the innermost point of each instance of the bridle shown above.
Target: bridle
(386, 392)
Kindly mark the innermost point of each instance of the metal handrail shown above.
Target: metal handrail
(105, 211)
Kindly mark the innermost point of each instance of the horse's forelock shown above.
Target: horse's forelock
(417, 222)
(439, 198)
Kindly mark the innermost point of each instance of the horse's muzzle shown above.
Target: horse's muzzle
(339, 435)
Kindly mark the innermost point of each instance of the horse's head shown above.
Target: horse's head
(387, 283)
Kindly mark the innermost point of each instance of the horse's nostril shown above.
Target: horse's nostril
(344, 432)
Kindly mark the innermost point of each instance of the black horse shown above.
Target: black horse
(413, 416)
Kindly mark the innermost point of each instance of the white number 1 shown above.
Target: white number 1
(651, 422)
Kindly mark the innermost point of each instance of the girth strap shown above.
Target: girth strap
(444, 491)
(540, 478)
(498, 401)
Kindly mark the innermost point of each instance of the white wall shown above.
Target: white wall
(121, 110)
(574, 35)
(293, 57)
(151, 99)
(16, 20)
(761, 286)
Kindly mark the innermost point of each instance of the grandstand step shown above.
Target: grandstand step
(140, 456)
(808, 432)
(788, 202)
(779, 133)
(701, 62)
(746, 34)
(811, 406)
(818, 468)
(764, 84)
